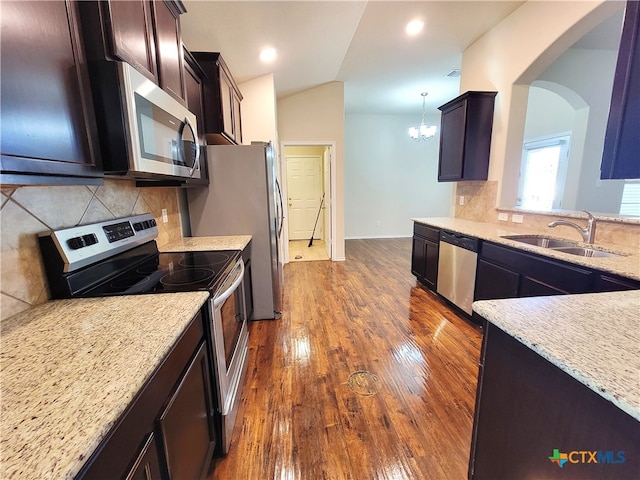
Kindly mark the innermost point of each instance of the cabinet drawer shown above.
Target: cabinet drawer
(565, 277)
(426, 232)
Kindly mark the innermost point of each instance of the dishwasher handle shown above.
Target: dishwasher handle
(468, 243)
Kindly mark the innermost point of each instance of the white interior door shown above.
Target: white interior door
(304, 191)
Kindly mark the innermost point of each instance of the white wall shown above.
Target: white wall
(513, 54)
(390, 178)
(259, 114)
(576, 70)
(317, 116)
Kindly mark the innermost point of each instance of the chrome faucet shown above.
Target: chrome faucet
(588, 233)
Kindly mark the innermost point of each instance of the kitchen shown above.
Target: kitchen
(115, 199)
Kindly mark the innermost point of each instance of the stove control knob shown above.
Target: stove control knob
(90, 239)
(137, 226)
(76, 242)
(152, 222)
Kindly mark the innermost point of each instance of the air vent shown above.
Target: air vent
(455, 73)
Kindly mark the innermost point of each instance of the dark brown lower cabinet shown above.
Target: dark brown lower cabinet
(527, 409)
(147, 464)
(424, 255)
(169, 429)
(494, 281)
(505, 272)
(185, 424)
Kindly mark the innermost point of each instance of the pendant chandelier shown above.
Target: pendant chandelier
(423, 131)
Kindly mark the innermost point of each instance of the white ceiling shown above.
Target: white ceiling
(362, 44)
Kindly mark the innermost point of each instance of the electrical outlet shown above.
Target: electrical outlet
(503, 217)
(165, 217)
(461, 201)
(515, 218)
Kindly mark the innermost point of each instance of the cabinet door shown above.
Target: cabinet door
(622, 142)
(226, 100)
(431, 264)
(611, 283)
(186, 424)
(452, 143)
(193, 78)
(530, 287)
(131, 27)
(419, 257)
(237, 119)
(146, 465)
(48, 122)
(494, 282)
(169, 50)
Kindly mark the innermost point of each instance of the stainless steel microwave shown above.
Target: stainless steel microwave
(144, 132)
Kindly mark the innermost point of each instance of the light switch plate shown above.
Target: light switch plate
(503, 217)
(515, 218)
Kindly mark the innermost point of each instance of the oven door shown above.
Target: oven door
(230, 339)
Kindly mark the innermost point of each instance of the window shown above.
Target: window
(543, 173)
(630, 203)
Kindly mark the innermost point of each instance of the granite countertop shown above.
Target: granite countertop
(568, 331)
(626, 266)
(70, 368)
(187, 244)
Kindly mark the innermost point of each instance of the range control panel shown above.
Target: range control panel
(83, 245)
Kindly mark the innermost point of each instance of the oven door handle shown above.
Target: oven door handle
(220, 299)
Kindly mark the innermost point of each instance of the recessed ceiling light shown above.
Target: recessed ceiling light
(414, 27)
(268, 55)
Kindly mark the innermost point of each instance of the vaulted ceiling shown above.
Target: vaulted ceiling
(362, 44)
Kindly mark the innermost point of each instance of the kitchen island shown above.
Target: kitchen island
(70, 369)
(559, 377)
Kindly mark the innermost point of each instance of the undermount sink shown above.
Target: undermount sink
(565, 246)
(541, 241)
(586, 252)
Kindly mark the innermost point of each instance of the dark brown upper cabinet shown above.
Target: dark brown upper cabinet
(194, 79)
(222, 97)
(49, 133)
(142, 33)
(465, 137)
(621, 158)
(169, 47)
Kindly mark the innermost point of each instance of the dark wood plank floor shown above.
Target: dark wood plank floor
(410, 418)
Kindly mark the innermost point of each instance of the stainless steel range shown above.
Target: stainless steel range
(121, 257)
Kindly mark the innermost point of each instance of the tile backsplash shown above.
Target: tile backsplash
(479, 205)
(27, 211)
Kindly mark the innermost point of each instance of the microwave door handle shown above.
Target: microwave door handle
(220, 299)
(196, 160)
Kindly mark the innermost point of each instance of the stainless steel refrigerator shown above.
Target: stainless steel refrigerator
(244, 198)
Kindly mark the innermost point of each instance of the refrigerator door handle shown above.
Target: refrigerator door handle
(281, 208)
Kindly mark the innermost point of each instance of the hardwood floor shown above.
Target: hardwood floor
(410, 419)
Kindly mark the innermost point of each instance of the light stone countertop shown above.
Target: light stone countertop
(626, 266)
(187, 244)
(593, 337)
(69, 368)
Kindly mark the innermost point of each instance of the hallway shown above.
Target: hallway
(300, 251)
(366, 376)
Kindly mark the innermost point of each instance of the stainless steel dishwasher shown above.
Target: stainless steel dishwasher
(457, 269)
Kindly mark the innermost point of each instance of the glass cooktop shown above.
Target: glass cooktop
(170, 272)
